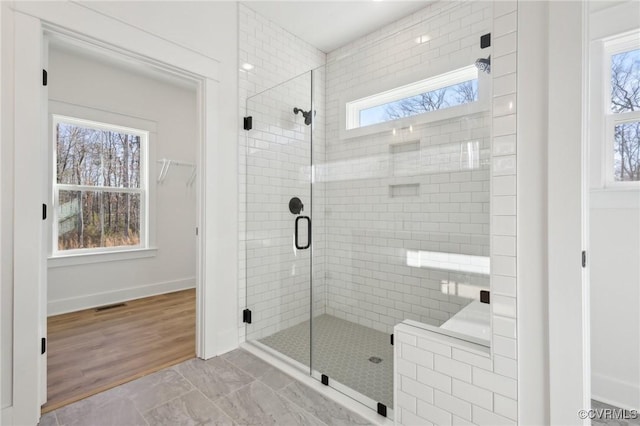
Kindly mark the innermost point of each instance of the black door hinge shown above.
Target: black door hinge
(382, 409)
(584, 259)
(44, 77)
(44, 211)
(392, 339)
(248, 123)
(324, 379)
(43, 345)
(485, 41)
(246, 316)
(485, 296)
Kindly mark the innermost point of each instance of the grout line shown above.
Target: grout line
(299, 406)
(167, 401)
(223, 396)
(144, 419)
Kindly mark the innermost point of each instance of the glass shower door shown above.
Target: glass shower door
(278, 220)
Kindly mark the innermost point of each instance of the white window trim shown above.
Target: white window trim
(450, 78)
(100, 257)
(87, 255)
(611, 47)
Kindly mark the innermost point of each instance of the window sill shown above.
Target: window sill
(100, 257)
(458, 111)
(615, 197)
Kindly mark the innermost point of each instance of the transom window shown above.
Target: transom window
(447, 90)
(99, 186)
(622, 127)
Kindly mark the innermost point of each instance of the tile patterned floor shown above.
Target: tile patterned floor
(234, 389)
(341, 351)
(597, 405)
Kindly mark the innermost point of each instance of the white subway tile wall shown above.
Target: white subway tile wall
(483, 387)
(273, 279)
(407, 210)
(446, 186)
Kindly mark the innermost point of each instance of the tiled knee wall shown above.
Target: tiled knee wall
(439, 381)
(443, 382)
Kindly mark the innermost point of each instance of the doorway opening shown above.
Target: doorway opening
(122, 240)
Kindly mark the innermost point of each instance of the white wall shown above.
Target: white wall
(171, 109)
(208, 28)
(614, 237)
(614, 232)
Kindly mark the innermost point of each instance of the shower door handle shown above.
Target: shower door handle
(308, 219)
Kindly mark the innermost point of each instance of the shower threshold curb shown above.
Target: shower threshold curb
(300, 372)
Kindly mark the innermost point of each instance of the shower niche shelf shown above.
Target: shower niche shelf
(404, 190)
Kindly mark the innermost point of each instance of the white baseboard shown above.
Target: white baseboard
(87, 301)
(6, 418)
(615, 392)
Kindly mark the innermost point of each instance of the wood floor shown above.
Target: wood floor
(91, 351)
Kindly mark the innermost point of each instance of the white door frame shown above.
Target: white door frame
(81, 22)
(569, 341)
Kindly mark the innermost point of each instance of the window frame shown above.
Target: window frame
(143, 190)
(460, 75)
(611, 47)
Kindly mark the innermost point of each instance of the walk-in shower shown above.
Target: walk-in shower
(374, 208)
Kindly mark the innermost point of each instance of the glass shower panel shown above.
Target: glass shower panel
(401, 207)
(278, 220)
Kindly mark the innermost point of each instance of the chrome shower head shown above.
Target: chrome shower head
(484, 64)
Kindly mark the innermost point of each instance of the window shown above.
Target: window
(622, 112)
(99, 187)
(448, 90)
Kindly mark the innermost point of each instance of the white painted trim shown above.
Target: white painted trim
(586, 212)
(395, 80)
(219, 201)
(568, 332)
(91, 113)
(531, 214)
(216, 273)
(314, 384)
(72, 304)
(28, 238)
(2, 421)
(450, 78)
(614, 20)
(63, 260)
(615, 198)
(481, 105)
(132, 41)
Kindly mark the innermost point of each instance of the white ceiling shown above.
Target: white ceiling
(328, 25)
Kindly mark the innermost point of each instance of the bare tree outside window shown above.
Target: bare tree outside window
(625, 98)
(446, 97)
(98, 184)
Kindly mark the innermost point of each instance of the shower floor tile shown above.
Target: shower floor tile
(342, 351)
